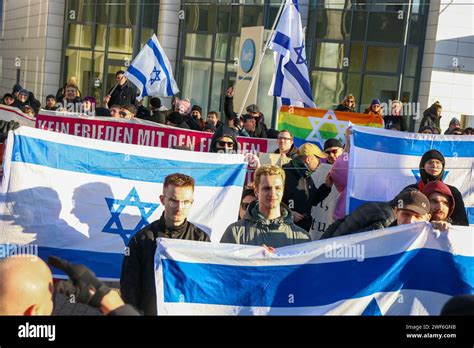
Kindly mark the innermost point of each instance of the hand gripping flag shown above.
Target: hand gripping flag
(151, 71)
(291, 78)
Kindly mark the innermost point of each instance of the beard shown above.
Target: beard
(439, 216)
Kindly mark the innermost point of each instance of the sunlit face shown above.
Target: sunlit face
(225, 144)
(250, 124)
(439, 204)
(333, 154)
(270, 191)
(244, 205)
(396, 109)
(312, 163)
(50, 102)
(434, 167)
(427, 131)
(349, 102)
(211, 119)
(376, 107)
(71, 93)
(177, 202)
(86, 105)
(284, 142)
(8, 100)
(115, 112)
(121, 79)
(196, 114)
(405, 216)
(22, 98)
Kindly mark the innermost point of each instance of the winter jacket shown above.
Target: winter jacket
(255, 229)
(293, 151)
(5, 127)
(342, 107)
(367, 217)
(137, 282)
(398, 122)
(430, 117)
(300, 192)
(260, 127)
(122, 95)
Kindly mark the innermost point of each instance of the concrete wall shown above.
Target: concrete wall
(449, 38)
(33, 32)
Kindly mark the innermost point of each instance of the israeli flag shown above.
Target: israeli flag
(151, 71)
(291, 78)
(84, 200)
(383, 162)
(405, 270)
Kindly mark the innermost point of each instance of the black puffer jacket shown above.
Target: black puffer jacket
(137, 282)
(430, 117)
(367, 217)
(300, 192)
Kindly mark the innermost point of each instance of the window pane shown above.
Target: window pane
(333, 24)
(198, 45)
(223, 19)
(380, 87)
(150, 14)
(353, 87)
(80, 35)
(253, 16)
(200, 17)
(382, 59)
(329, 55)
(100, 37)
(221, 47)
(121, 40)
(272, 13)
(359, 22)
(337, 4)
(83, 10)
(416, 30)
(388, 5)
(355, 57)
(123, 13)
(360, 4)
(328, 88)
(146, 35)
(264, 101)
(234, 48)
(196, 80)
(98, 74)
(79, 64)
(217, 88)
(385, 27)
(411, 61)
(407, 89)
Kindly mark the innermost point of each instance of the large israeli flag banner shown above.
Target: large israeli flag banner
(84, 200)
(151, 71)
(404, 270)
(383, 162)
(291, 77)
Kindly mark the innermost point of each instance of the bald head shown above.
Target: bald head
(26, 286)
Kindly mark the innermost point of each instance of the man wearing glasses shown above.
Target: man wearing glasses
(333, 148)
(286, 147)
(224, 140)
(137, 282)
(122, 93)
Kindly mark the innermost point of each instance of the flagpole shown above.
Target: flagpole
(261, 57)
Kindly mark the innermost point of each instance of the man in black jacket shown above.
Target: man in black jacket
(301, 193)
(137, 282)
(123, 94)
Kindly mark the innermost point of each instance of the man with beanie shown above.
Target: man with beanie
(431, 167)
(195, 121)
(441, 203)
(175, 119)
(333, 149)
(453, 124)
(301, 194)
(224, 140)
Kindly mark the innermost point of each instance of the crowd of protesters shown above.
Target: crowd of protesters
(275, 210)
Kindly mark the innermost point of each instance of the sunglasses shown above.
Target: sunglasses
(334, 152)
(225, 143)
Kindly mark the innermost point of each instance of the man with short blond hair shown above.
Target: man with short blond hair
(267, 221)
(137, 283)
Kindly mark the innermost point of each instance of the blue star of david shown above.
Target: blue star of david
(157, 75)
(299, 52)
(416, 173)
(372, 309)
(114, 225)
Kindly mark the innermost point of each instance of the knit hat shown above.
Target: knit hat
(453, 121)
(428, 155)
(16, 88)
(196, 108)
(332, 143)
(442, 188)
(24, 92)
(375, 102)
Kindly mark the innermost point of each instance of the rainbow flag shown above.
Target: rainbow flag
(318, 125)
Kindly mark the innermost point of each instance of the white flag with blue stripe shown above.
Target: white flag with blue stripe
(151, 71)
(384, 162)
(291, 78)
(84, 200)
(404, 270)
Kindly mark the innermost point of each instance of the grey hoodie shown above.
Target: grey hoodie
(255, 229)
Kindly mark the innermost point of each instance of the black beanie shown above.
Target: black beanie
(196, 108)
(429, 155)
(332, 143)
(175, 118)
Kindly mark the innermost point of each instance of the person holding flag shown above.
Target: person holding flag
(291, 77)
(151, 71)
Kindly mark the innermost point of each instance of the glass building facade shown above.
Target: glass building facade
(370, 48)
(102, 36)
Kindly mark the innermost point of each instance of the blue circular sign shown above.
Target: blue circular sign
(247, 55)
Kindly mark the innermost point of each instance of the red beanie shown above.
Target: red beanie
(439, 187)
